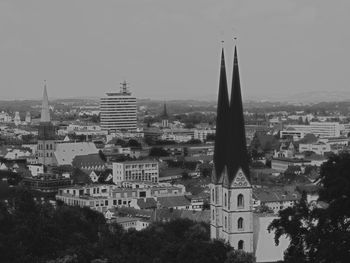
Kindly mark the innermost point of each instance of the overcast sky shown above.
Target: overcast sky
(170, 49)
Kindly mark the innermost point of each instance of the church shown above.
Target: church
(231, 204)
(230, 188)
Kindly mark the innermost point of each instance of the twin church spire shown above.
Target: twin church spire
(230, 152)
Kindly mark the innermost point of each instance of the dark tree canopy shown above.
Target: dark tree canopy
(320, 233)
(39, 232)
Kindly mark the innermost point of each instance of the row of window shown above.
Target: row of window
(240, 200)
(48, 147)
(45, 155)
(240, 222)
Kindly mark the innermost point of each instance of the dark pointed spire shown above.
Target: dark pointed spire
(237, 149)
(165, 113)
(45, 110)
(220, 149)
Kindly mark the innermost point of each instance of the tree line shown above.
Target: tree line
(40, 232)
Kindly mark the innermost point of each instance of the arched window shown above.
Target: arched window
(213, 214)
(50, 146)
(240, 223)
(240, 201)
(213, 194)
(240, 244)
(225, 222)
(47, 146)
(225, 199)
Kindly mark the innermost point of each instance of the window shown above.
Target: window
(225, 222)
(213, 214)
(225, 200)
(240, 223)
(240, 201)
(240, 244)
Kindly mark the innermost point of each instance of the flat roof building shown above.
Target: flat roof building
(118, 111)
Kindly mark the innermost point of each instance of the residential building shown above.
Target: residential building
(89, 162)
(319, 148)
(282, 164)
(102, 197)
(118, 111)
(49, 183)
(293, 133)
(17, 119)
(321, 129)
(230, 187)
(144, 171)
(275, 199)
(203, 134)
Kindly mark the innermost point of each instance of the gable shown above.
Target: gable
(240, 180)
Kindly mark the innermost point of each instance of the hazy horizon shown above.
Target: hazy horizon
(170, 50)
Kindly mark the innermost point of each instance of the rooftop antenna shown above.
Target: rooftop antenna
(124, 87)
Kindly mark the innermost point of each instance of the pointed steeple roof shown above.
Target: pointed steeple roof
(165, 113)
(45, 110)
(220, 149)
(237, 149)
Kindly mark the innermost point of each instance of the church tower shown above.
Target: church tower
(46, 134)
(165, 118)
(231, 191)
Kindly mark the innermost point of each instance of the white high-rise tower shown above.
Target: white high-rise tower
(118, 110)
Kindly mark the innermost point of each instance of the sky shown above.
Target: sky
(171, 49)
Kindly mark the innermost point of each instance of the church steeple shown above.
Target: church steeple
(165, 113)
(45, 110)
(221, 123)
(237, 149)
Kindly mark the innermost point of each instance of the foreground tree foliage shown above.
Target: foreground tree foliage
(320, 233)
(32, 232)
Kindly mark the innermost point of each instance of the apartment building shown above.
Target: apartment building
(144, 171)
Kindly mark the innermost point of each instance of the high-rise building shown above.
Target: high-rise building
(230, 188)
(28, 118)
(118, 110)
(46, 134)
(17, 119)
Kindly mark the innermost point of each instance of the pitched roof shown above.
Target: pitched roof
(275, 195)
(173, 201)
(65, 152)
(237, 150)
(147, 203)
(87, 160)
(220, 149)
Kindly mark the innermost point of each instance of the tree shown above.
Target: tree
(211, 137)
(102, 156)
(133, 143)
(320, 233)
(239, 256)
(185, 175)
(158, 152)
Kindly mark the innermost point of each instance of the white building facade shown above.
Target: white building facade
(144, 171)
(118, 111)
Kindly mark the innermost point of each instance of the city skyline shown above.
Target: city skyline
(166, 51)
